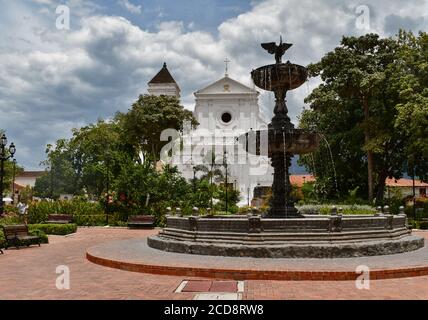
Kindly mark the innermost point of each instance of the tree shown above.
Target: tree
(210, 169)
(60, 177)
(200, 196)
(338, 164)
(26, 195)
(411, 82)
(142, 189)
(215, 174)
(148, 117)
(97, 152)
(86, 162)
(393, 129)
(232, 195)
(353, 75)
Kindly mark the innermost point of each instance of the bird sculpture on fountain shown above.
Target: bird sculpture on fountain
(277, 50)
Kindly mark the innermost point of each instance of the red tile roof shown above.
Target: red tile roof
(299, 179)
(30, 174)
(405, 183)
(19, 187)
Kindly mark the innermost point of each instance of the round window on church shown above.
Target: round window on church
(226, 117)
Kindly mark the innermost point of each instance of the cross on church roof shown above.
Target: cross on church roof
(226, 61)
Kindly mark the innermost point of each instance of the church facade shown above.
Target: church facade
(226, 109)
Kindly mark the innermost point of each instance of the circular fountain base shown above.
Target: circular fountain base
(308, 237)
(290, 250)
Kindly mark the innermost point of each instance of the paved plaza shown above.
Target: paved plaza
(30, 273)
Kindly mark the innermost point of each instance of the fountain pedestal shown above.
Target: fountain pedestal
(282, 203)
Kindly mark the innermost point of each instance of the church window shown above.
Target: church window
(226, 117)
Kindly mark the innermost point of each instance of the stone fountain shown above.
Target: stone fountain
(283, 139)
(283, 232)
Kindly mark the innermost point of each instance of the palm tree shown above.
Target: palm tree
(211, 171)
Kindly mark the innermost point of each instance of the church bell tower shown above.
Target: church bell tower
(163, 84)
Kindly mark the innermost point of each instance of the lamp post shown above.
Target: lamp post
(51, 182)
(211, 179)
(248, 196)
(107, 187)
(13, 181)
(414, 193)
(194, 179)
(225, 164)
(3, 158)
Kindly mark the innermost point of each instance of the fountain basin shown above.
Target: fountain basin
(286, 76)
(266, 142)
(310, 236)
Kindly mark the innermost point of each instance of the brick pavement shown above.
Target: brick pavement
(30, 274)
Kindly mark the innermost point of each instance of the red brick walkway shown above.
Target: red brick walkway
(30, 274)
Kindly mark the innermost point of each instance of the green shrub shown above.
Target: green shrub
(90, 220)
(9, 209)
(421, 213)
(87, 213)
(308, 191)
(114, 219)
(1, 239)
(244, 210)
(423, 225)
(98, 220)
(39, 233)
(119, 223)
(11, 219)
(57, 229)
(326, 209)
(408, 210)
(39, 212)
(394, 205)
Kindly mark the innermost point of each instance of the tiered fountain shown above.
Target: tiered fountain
(283, 139)
(283, 232)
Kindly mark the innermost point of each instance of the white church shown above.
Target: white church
(225, 110)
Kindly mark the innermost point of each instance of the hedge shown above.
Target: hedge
(423, 225)
(40, 233)
(57, 229)
(98, 220)
(326, 209)
(11, 219)
(39, 212)
(84, 213)
(1, 238)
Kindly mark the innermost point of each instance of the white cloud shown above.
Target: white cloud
(130, 6)
(51, 80)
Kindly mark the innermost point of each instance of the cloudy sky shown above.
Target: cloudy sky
(52, 80)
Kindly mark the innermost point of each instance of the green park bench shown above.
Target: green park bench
(59, 218)
(141, 221)
(18, 235)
